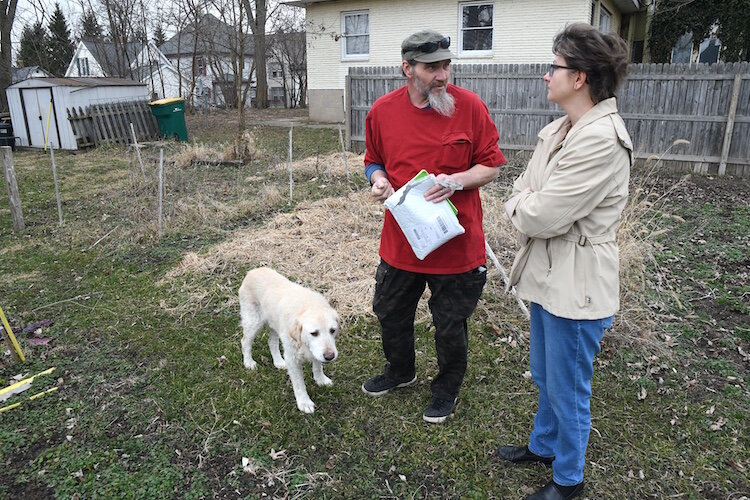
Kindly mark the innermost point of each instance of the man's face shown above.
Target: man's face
(427, 82)
(430, 77)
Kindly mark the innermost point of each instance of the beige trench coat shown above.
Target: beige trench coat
(567, 206)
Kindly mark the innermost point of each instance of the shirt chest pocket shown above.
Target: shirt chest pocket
(456, 152)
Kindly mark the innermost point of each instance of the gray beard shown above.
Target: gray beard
(443, 103)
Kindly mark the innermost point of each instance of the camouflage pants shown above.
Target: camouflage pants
(454, 298)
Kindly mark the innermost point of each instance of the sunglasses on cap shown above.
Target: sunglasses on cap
(553, 67)
(430, 47)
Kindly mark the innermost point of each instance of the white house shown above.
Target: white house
(38, 106)
(211, 50)
(346, 33)
(142, 62)
(207, 55)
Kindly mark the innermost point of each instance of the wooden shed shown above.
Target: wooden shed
(38, 105)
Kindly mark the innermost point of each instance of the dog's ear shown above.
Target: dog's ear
(296, 332)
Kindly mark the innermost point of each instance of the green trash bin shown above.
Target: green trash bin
(170, 114)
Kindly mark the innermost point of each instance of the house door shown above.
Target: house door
(37, 103)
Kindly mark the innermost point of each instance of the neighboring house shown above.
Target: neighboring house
(346, 33)
(18, 74)
(142, 62)
(207, 55)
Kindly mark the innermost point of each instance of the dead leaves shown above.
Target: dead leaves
(642, 394)
(716, 426)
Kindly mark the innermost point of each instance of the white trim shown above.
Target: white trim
(474, 53)
(354, 57)
(604, 13)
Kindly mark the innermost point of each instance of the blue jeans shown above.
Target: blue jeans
(561, 355)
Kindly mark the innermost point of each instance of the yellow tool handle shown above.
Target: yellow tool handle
(31, 398)
(12, 337)
(30, 379)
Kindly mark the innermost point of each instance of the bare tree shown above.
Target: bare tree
(257, 18)
(289, 51)
(230, 47)
(7, 16)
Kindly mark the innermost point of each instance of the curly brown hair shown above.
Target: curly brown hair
(602, 56)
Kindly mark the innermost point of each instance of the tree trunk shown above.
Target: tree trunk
(257, 24)
(7, 16)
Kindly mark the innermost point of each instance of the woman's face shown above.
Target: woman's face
(560, 81)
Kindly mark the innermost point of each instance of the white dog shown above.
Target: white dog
(301, 318)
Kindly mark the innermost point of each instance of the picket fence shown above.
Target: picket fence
(109, 123)
(660, 103)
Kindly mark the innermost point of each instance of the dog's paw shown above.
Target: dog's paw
(323, 380)
(306, 406)
(281, 365)
(251, 364)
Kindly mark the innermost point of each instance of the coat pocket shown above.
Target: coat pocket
(456, 152)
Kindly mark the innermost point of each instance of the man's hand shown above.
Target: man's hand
(438, 192)
(381, 188)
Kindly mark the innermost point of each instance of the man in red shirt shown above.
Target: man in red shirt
(447, 130)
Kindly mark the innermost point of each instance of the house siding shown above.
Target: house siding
(523, 32)
(83, 52)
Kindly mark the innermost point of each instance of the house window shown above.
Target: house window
(604, 19)
(83, 66)
(355, 27)
(276, 94)
(476, 28)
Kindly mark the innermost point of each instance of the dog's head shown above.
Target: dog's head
(317, 330)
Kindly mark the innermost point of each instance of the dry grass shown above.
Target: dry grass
(332, 245)
(642, 222)
(243, 149)
(331, 164)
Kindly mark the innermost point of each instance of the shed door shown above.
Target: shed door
(37, 102)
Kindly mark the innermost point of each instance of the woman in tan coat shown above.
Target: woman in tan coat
(567, 206)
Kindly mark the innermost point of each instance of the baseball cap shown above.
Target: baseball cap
(426, 46)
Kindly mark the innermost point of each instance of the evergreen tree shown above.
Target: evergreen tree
(90, 29)
(159, 36)
(34, 50)
(60, 45)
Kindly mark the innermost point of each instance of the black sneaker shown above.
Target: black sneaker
(380, 384)
(439, 410)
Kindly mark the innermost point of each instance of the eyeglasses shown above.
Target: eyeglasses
(430, 47)
(553, 67)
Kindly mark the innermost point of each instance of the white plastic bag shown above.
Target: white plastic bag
(425, 224)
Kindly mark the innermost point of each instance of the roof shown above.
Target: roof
(18, 74)
(214, 36)
(113, 61)
(78, 82)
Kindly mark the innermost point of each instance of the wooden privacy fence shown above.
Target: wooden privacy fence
(660, 103)
(109, 123)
